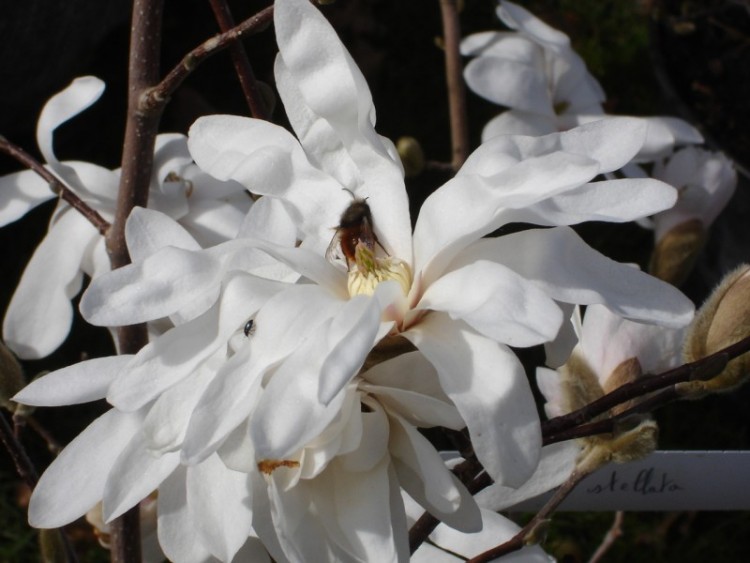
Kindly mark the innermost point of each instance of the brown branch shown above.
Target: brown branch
(614, 532)
(530, 533)
(57, 186)
(702, 369)
(137, 163)
(24, 467)
(455, 83)
(241, 63)
(158, 95)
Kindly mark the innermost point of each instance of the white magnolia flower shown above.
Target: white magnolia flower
(40, 314)
(535, 72)
(314, 449)
(605, 342)
(705, 181)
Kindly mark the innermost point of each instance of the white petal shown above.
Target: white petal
(496, 530)
(80, 383)
(220, 501)
(496, 302)
(21, 192)
(360, 505)
(176, 526)
(488, 385)
(333, 88)
(613, 201)
(137, 472)
(569, 270)
(290, 414)
(174, 355)
(151, 289)
(518, 123)
(147, 231)
(79, 95)
(609, 340)
(39, 315)
(509, 83)
(555, 466)
(423, 474)
(471, 205)
(75, 480)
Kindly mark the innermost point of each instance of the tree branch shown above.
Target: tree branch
(137, 163)
(241, 62)
(454, 80)
(159, 94)
(57, 187)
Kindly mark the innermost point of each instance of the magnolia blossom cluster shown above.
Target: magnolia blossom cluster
(39, 316)
(278, 415)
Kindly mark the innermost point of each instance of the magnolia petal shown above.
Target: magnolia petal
(233, 393)
(325, 74)
(496, 529)
(171, 357)
(518, 123)
(74, 482)
(607, 340)
(290, 413)
(360, 505)
(167, 420)
(171, 154)
(489, 386)
(220, 501)
(80, 383)
(556, 463)
(136, 473)
(21, 192)
(423, 474)
(175, 521)
(79, 95)
(613, 201)
(420, 410)
(212, 222)
(151, 289)
(509, 83)
(316, 135)
(471, 206)
(569, 270)
(496, 302)
(332, 87)
(351, 337)
(148, 231)
(301, 535)
(519, 18)
(39, 315)
(373, 443)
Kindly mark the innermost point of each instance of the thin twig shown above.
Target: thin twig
(530, 533)
(241, 63)
(455, 83)
(614, 532)
(24, 467)
(158, 95)
(57, 187)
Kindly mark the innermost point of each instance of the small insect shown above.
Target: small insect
(249, 327)
(355, 226)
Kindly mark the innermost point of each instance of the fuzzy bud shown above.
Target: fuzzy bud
(676, 251)
(723, 320)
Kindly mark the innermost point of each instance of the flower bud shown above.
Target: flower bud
(676, 251)
(723, 320)
(412, 156)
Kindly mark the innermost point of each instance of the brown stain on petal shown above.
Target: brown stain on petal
(268, 466)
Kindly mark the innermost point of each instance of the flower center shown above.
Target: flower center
(369, 271)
